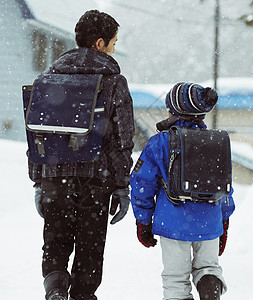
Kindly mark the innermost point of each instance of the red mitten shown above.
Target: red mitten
(223, 237)
(145, 236)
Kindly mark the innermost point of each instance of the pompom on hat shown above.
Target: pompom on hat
(190, 99)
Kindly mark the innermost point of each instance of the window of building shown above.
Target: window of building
(39, 51)
(58, 48)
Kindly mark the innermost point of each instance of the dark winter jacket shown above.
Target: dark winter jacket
(189, 221)
(115, 162)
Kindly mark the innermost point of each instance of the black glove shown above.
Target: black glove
(37, 198)
(120, 198)
(223, 238)
(145, 236)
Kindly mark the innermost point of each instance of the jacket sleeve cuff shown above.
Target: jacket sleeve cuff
(144, 222)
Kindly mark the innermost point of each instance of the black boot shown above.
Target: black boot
(56, 285)
(209, 288)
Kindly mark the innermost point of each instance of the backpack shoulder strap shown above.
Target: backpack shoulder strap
(173, 151)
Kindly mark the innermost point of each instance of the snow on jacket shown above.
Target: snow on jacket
(115, 163)
(189, 221)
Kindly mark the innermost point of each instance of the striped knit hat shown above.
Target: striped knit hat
(190, 99)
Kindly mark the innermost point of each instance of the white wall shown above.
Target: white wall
(13, 59)
(16, 68)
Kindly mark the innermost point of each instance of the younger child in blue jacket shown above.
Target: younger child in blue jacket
(199, 228)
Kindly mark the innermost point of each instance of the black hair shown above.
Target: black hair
(94, 25)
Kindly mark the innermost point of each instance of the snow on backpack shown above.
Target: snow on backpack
(199, 165)
(64, 118)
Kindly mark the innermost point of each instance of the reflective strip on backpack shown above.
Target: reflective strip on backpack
(59, 129)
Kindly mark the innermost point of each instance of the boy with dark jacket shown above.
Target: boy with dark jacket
(74, 198)
(200, 227)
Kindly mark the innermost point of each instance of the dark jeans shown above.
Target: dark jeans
(76, 215)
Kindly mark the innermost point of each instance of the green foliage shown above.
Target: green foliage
(248, 18)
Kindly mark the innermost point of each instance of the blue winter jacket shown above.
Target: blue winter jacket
(189, 221)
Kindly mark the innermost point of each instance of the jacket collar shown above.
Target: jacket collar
(180, 121)
(85, 61)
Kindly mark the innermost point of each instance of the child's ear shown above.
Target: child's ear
(99, 44)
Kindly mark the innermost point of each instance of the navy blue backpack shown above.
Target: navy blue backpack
(200, 167)
(64, 118)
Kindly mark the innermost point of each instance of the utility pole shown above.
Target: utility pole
(216, 56)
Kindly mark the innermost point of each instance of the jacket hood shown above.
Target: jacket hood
(85, 61)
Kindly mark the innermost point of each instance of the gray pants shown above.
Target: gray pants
(182, 259)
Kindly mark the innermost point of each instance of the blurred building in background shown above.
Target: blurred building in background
(159, 43)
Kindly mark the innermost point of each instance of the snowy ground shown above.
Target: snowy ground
(130, 270)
